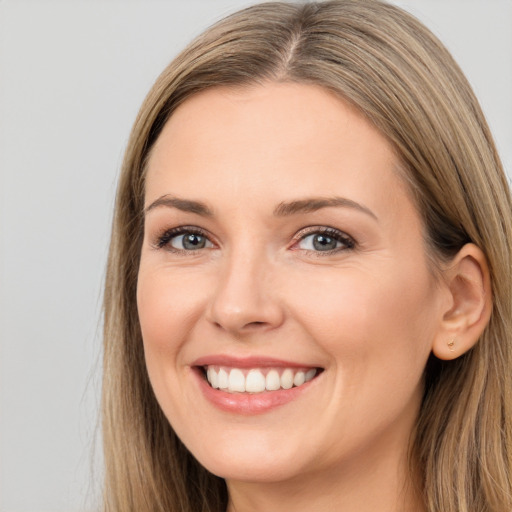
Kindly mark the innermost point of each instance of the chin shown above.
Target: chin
(251, 463)
(253, 471)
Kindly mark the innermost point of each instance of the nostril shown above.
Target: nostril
(254, 325)
(249, 325)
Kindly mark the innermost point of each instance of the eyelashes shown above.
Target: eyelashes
(324, 240)
(317, 240)
(191, 238)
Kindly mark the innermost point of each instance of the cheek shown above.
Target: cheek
(378, 331)
(169, 307)
(354, 313)
(167, 310)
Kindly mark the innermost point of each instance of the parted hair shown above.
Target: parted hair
(390, 67)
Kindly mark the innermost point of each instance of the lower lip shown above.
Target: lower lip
(249, 403)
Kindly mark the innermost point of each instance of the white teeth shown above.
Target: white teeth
(235, 380)
(213, 377)
(300, 378)
(223, 379)
(287, 379)
(273, 382)
(255, 382)
(310, 374)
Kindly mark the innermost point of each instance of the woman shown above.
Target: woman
(308, 298)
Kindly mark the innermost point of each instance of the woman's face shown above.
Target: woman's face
(283, 255)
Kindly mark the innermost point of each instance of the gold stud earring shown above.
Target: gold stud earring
(451, 345)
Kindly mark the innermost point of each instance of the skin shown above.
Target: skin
(369, 315)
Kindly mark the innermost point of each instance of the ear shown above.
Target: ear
(469, 309)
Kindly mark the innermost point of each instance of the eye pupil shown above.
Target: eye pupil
(193, 241)
(324, 243)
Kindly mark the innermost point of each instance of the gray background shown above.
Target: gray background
(72, 76)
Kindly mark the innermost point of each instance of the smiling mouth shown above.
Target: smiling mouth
(257, 380)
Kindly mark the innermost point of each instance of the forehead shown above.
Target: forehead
(266, 141)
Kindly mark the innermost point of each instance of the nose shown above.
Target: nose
(245, 297)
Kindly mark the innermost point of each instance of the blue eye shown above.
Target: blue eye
(190, 242)
(325, 241)
(184, 239)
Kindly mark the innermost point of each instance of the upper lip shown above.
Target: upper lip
(249, 362)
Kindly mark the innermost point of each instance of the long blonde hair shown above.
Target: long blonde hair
(398, 74)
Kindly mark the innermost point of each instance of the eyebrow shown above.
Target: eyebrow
(283, 209)
(185, 205)
(313, 204)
